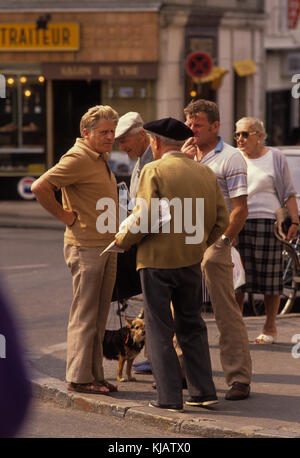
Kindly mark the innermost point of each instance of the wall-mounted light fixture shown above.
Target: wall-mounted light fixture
(42, 22)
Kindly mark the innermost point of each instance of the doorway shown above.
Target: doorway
(240, 97)
(71, 100)
(278, 122)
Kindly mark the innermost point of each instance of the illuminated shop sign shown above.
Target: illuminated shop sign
(26, 37)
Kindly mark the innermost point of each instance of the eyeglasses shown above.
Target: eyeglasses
(237, 135)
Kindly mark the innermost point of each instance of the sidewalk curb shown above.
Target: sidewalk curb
(51, 390)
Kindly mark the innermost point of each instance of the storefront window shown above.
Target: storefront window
(278, 123)
(22, 125)
(130, 95)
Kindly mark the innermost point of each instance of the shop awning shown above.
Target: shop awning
(245, 67)
(215, 77)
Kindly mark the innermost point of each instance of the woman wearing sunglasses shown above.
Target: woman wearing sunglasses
(269, 188)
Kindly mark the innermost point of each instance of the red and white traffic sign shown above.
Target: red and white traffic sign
(293, 13)
(24, 188)
(199, 64)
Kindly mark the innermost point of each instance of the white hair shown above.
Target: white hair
(255, 124)
(166, 140)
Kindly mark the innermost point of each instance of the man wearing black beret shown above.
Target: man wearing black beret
(169, 259)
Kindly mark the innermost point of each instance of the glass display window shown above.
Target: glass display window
(23, 125)
(128, 95)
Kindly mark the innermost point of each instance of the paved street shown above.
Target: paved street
(46, 420)
(34, 273)
(36, 277)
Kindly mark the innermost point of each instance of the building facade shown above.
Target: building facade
(58, 59)
(231, 32)
(282, 48)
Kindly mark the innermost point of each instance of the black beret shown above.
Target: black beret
(170, 128)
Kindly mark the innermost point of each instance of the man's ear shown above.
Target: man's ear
(216, 126)
(142, 133)
(85, 132)
(156, 142)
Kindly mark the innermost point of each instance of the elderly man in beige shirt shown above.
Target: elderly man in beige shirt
(169, 262)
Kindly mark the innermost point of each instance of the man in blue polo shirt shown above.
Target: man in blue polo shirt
(202, 116)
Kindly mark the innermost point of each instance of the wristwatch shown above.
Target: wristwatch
(226, 240)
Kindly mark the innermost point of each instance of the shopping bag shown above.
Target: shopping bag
(239, 277)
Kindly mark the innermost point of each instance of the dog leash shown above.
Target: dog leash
(119, 313)
(119, 309)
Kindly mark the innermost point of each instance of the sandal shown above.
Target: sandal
(90, 388)
(112, 388)
(265, 339)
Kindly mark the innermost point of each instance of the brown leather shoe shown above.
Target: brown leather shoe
(238, 391)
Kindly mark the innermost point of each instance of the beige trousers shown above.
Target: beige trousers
(235, 356)
(93, 282)
(234, 346)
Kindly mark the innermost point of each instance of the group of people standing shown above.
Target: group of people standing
(184, 161)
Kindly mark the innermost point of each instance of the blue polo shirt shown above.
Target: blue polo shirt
(230, 168)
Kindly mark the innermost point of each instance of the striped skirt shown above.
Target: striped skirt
(261, 251)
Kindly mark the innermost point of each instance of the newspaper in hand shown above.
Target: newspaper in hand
(164, 217)
(134, 222)
(112, 247)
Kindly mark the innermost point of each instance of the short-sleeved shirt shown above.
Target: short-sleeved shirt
(84, 177)
(231, 170)
(262, 198)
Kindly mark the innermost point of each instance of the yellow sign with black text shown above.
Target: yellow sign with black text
(26, 37)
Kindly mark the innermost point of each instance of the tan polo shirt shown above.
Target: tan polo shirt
(84, 177)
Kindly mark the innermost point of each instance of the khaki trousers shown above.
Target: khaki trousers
(93, 282)
(235, 356)
(234, 347)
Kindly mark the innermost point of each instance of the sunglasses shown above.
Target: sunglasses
(237, 135)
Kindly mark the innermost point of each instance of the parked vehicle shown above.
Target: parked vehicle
(292, 154)
(120, 163)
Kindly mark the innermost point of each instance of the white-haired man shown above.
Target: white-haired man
(133, 139)
(169, 264)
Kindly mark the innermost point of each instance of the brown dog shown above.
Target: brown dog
(125, 344)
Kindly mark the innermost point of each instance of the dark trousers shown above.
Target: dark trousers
(182, 286)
